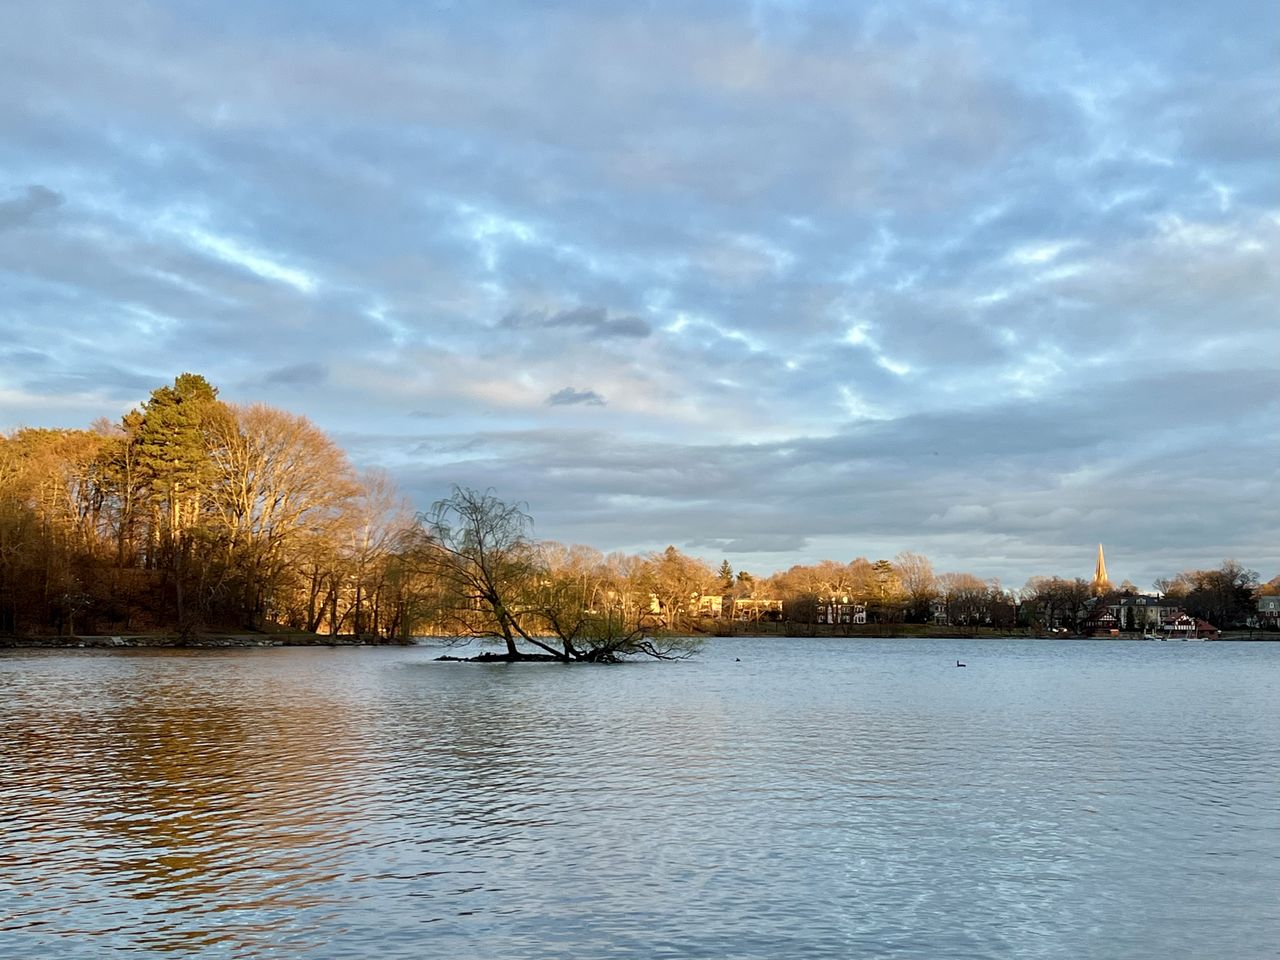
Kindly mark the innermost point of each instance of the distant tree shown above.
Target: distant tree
(1223, 596)
(368, 528)
(678, 582)
(173, 455)
(274, 480)
(888, 596)
(1002, 607)
(1172, 588)
(919, 584)
(1057, 602)
(726, 576)
(967, 599)
(123, 477)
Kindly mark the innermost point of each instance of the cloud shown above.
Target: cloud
(34, 201)
(297, 375)
(991, 285)
(25, 357)
(114, 383)
(763, 543)
(595, 321)
(571, 397)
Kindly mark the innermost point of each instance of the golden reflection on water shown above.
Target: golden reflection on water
(166, 792)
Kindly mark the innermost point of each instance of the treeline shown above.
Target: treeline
(907, 590)
(193, 514)
(1226, 597)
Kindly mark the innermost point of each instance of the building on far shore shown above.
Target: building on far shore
(1269, 611)
(1101, 584)
(1186, 627)
(1141, 612)
(841, 610)
(756, 609)
(1101, 622)
(715, 606)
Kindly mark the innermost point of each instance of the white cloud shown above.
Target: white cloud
(245, 256)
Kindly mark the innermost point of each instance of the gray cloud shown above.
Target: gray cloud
(23, 357)
(106, 380)
(763, 543)
(295, 375)
(34, 201)
(571, 397)
(595, 321)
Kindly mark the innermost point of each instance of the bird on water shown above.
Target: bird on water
(959, 664)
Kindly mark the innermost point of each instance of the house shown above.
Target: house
(840, 610)
(1141, 611)
(1101, 622)
(1269, 612)
(746, 609)
(1206, 630)
(753, 609)
(938, 611)
(1186, 627)
(710, 606)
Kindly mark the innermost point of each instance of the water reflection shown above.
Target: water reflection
(841, 800)
(164, 788)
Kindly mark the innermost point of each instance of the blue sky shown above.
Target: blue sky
(769, 281)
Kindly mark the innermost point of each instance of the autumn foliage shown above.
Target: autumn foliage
(192, 514)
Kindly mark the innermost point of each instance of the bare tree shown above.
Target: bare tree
(277, 479)
(481, 553)
(494, 580)
(919, 583)
(678, 582)
(371, 527)
(966, 598)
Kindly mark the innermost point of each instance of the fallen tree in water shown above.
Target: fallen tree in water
(493, 580)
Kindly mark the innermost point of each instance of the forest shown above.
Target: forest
(193, 514)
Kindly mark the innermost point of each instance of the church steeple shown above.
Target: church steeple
(1100, 582)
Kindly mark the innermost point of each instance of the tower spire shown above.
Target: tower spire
(1100, 582)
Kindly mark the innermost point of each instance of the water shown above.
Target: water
(772, 799)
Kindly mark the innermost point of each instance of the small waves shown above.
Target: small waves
(827, 800)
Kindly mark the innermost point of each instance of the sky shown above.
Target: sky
(773, 282)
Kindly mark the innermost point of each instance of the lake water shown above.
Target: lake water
(771, 799)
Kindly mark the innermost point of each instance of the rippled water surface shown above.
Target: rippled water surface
(770, 799)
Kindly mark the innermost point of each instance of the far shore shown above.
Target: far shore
(200, 640)
(215, 640)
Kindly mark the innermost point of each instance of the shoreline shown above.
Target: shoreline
(199, 641)
(215, 641)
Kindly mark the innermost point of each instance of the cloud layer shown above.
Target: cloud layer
(990, 284)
